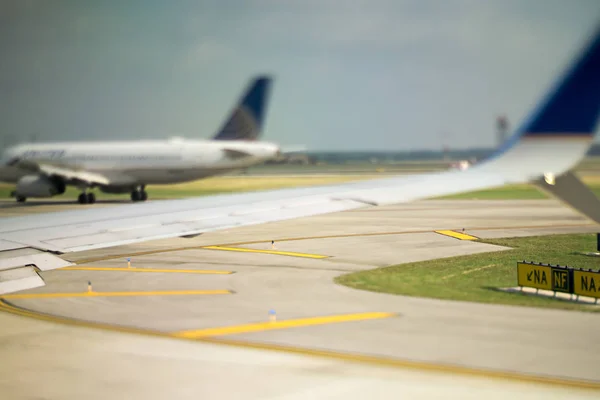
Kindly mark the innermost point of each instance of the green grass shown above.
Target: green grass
(474, 277)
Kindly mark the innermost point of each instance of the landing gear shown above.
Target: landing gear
(136, 196)
(86, 198)
(139, 195)
(19, 198)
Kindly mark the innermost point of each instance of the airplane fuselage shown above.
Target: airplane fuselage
(46, 169)
(139, 162)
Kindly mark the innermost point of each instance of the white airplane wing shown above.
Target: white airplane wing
(552, 141)
(68, 174)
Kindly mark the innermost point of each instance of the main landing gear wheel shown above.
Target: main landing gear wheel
(21, 199)
(139, 195)
(86, 198)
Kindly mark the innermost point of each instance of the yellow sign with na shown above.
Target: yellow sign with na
(536, 276)
(586, 283)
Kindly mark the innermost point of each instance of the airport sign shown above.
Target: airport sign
(546, 277)
(586, 283)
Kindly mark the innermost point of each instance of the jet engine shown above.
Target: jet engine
(39, 186)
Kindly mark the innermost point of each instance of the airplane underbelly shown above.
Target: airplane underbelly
(170, 175)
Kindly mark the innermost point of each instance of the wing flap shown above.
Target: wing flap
(68, 174)
(82, 238)
(30, 256)
(21, 278)
(74, 176)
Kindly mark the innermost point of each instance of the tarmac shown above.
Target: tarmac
(230, 314)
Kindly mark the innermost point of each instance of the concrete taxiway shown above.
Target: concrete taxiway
(269, 323)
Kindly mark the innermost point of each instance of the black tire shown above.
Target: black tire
(82, 199)
(135, 196)
(143, 195)
(20, 199)
(91, 198)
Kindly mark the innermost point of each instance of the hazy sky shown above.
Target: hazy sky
(349, 75)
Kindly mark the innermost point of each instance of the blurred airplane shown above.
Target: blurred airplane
(555, 137)
(46, 169)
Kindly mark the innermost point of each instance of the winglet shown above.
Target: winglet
(245, 121)
(572, 107)
(569, 110)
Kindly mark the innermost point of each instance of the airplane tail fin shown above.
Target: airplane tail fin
(571, 108)
(557, 136)
(245, 122)
(564, 122)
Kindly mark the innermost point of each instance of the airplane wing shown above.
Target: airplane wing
(554, 139)
(69, 175)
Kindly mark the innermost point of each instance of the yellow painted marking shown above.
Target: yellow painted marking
(292, 323)
(134, 269)
(113, 294)
(281, 253)
(290, 239)
(346, 357)
(457, 235)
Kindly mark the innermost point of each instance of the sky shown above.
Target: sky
(353, 75)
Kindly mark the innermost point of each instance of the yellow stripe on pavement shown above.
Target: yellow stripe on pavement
(134, 269)
(292, 323)
(324, 354)
(113, 294)
(281, 253)
(457, 235)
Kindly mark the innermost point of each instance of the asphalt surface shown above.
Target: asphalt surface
(292, 332)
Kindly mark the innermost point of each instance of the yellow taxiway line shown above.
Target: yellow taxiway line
(134, 269)
(113, 294)
(327, 354)
(300, 238)
(292, 323)
(457, 235)
(281, 253)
